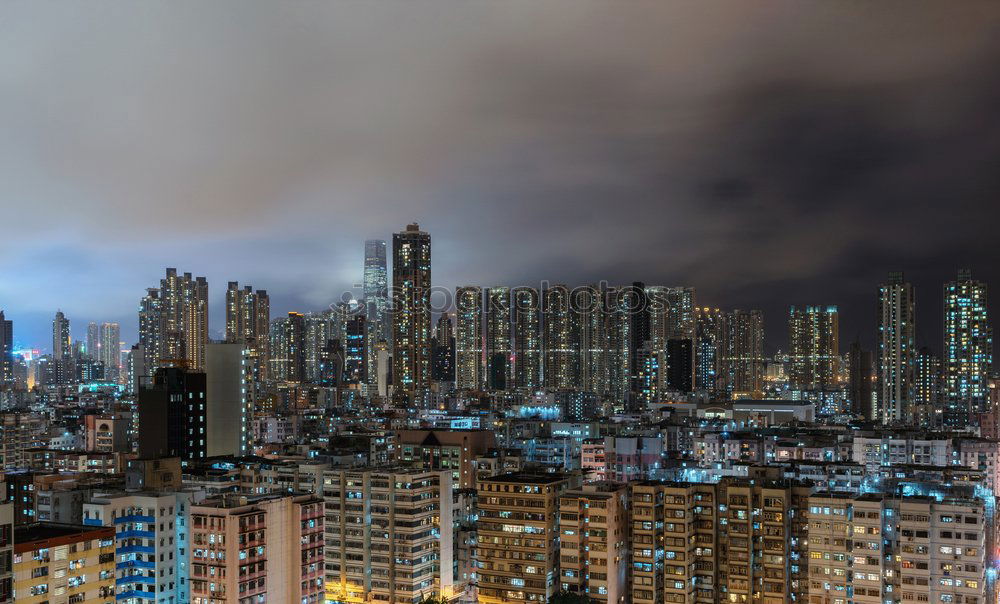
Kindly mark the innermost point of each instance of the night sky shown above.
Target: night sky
(767, 153)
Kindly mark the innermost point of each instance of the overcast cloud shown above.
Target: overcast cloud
(768, 153)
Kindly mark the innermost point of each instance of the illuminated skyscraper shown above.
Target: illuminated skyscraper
(813, 347)
(896, 349)
(93, 341)
(968, 349)
(469, 338)
(376, 296)
(560, 351)
(109, 350)
(498, 339)
(173, 321)
(619, 346)
(926, 388)
(60, 338)
(288, 348)
(319, 330)
(151, 329)
(6, 352)
(411, 313)
(355, 350)
(742, 361)
(708, 353)
(681, 309)
(527, 344)
(590, 306)
(636, 307)
(248, 320)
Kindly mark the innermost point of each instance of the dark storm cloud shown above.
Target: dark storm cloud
(767, 153)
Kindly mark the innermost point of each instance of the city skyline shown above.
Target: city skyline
(929, 329)
(620, 159)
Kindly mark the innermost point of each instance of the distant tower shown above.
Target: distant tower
(94, 341)
(60, 338)
(469, 338)
(742, 361)
(443, 369)
(109, 350)
(411, 320)
(559, 345)
(813, 347)
(6, 352)
(968, 349)
(527, 338)
(376, 297)
(896, 349)
(248, 320)
(589, 305)
(498, 338)
(173, 321)
(927, 389)
(708, 349)
(288, 360)
(861, 381)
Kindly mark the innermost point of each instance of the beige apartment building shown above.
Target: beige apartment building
(518, 536)
(389, 535)
(594, 552)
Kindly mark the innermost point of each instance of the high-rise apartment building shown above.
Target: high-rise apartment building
(594, 528)
(619, 349)
(6, 352)
(674, 533)
(634, 303)
(681, 313)
(968, 349)
(708, 349)
(560, 352)
(742, 361)
(443, 351)
(872, 549)
(93, 341)
(896, 349)
(60, 337)
(248, 321)
(411, 313)
(519, 535)
(173, 321)
(679, 370)
(257, 549)
(389, 535)
(172, 415)
(499, 371)
(527, 339)
(860, 391)
(230, 396)
(813, 347)
(151, 542)
(288, 348)
(927, 388)
(356, 350)
(110, 351)
(590, 307)
(469, 338)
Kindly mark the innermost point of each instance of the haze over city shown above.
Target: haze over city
(787, 154)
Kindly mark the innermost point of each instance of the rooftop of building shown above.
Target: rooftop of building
(42, 534)
(528, 478)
